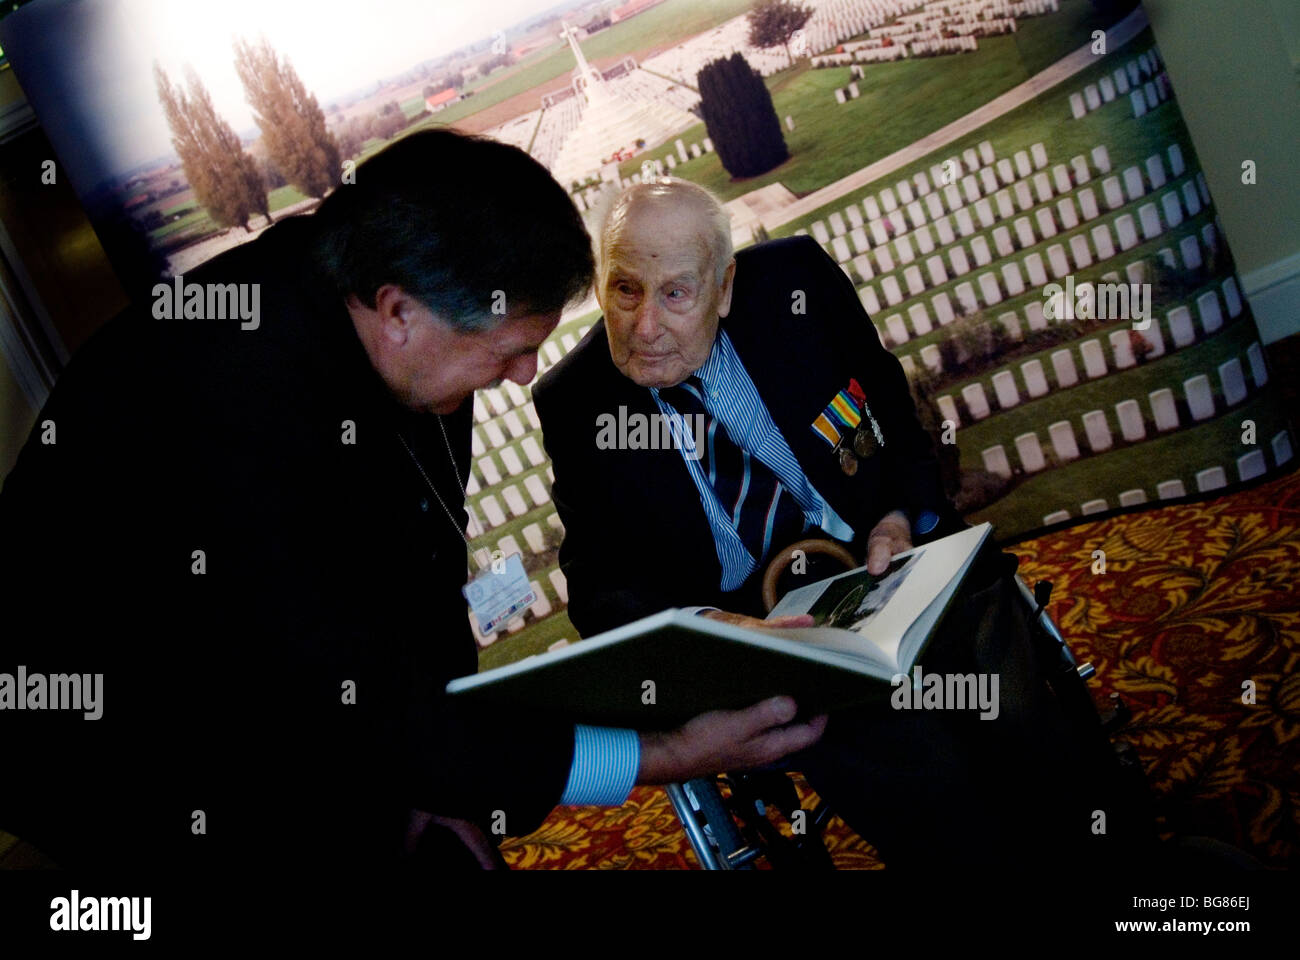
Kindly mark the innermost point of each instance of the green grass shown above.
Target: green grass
(663, 26)
(901, 103)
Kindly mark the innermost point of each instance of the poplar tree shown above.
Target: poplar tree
(221, 172)
(292, 122)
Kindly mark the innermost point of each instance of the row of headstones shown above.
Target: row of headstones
(552, 353)
(515, 503)
(1198, 391)
(1106, 89)
(965, 224)
(540, 608)
(1181, 330)
(668, 164)
(891, 224)
(991, 290)
(1152, 94)
(1249, 466)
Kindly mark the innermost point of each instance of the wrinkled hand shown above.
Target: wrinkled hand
(753, 623)
(726, 740)
(893, 534)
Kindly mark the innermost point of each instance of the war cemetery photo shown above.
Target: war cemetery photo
(1027, 209)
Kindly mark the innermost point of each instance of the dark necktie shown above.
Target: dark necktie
(762, 511)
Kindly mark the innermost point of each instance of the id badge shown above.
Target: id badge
(497, 598)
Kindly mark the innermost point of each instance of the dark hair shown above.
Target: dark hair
(452, 219)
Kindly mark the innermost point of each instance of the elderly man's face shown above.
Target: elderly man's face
(660, 294)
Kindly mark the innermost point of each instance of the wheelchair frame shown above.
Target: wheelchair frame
(710, 820)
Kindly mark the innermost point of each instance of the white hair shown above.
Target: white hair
(663, 189)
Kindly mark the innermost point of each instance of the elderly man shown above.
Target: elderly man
(761, 346)
(246, 534)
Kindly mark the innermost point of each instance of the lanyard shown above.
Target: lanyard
(451, 517)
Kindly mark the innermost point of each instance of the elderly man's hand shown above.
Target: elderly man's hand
(893, 534)
(726, 740)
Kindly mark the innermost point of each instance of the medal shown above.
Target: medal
(848, 462)
(864, 443)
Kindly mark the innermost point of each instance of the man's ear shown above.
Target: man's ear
(395, 311)
(724, 294)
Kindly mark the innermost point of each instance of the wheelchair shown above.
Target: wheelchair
(735, 831)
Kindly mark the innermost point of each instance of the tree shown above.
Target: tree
(738, 112)
(773, 22)
(292, 124)
(224, 176)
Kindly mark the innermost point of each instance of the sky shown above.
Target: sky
(104, 50)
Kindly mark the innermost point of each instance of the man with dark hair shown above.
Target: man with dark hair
(246, 535)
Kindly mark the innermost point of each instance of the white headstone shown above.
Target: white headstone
(837, 224)
(1056, 260)
(1121, 80)
(904, 191)
(1023, 167)
(912, 277)
(492, 510)
(841, 249)
(1006, 209)
(1042, 187)
(858, 237)
(893, 293)
(1258, 371)
(1079, 251)
(1231, 296)
(1024, 233)
(1077, 109)
(1089, 507)
(1110, 188)
(1191, 198)
(947, 409)
(1094, 359)
(1098, 431)
(1122, 348)
(1138, 101)
(916, 213)
(872, 208)
(988, 180)
(1034, 268)
(966, 297)
(1102, 241)
(884, 259)
(1156, 171)
(1251, 465)
(1002, 242)
(1056, 516)
(984, 211)
(1046, 225)
(931, 357)
(696, 152)
(979, 247)
(995, 461)
(681, 150)
(1133, 185)
(970, 188)
(920, 318)
(957, 257)
(1011, 324)
(1180, 326)
(1131, 426)
(1173, 210)
(1281, 444)
(1024, 199)
(1151, 227)
(1163, 409)
(1035, 379)
(942, 309)
(887, 200)
(1063, 442)
(1131, 498)
(934, 205)
(1039, 153)
(973, 394)
(1207, 305)
(820, 233)
(1211, 478)
(938, 273)
(904, 247)
(1101, 159)
(986, 151)
(1061, 179)
(1030, 452)
(1233, 379)
(514, 466)
(989, 289)
(1005, 173)
(897, 329)
(923, 239)
(1063, 365)
(1107, 89)
(1170, 490)
(1128, 238)
(1088, 203)
(965, 225)
(870, 302)
(537, 490)
(1004, 385)
(970, 158)
(878, 232)
(1092, 96)
(1034, 315)
(515, 501)
(536, 541)
(1152, 94)
(1065, 209)
(1200, 397)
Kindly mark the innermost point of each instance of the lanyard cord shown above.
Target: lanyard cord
(442, 503)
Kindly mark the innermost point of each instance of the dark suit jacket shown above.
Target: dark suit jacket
(327, 563)
(636, 537)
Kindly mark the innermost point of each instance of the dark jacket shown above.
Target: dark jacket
(329, 566)
(636, 537)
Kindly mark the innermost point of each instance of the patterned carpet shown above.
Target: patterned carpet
(1195, 604)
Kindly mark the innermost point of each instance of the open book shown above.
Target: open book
(660, 671)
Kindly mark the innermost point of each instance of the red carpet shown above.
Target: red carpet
(1194, 606)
